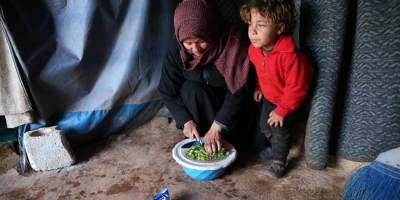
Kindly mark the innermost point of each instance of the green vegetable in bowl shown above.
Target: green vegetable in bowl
(198, 152)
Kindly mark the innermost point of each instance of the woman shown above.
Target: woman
(204, 76)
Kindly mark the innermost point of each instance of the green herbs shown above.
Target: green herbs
(198, 152)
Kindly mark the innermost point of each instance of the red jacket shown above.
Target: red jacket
(284, 74)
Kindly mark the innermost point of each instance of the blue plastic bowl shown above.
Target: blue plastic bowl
(202, 170)
(203, 175)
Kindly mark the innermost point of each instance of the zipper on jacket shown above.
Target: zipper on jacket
(205, 75)
(263, 61)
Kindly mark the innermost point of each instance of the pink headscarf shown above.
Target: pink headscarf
(195, 18)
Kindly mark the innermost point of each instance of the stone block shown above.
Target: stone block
(48, 149)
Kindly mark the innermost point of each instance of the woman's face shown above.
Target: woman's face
(195, 46)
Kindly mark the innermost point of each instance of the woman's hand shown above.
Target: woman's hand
(190, 130)
(212, 139)
(257, 95)
(275, 120)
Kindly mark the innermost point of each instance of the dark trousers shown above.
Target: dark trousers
(203, 103)
(278, 137)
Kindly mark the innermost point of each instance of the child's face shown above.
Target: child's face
(261, 32)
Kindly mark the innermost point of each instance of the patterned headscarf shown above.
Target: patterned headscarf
(195, 18)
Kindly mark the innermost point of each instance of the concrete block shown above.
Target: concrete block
(48, 149)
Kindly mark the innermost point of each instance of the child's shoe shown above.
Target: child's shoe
(276, 170)
(265, 154)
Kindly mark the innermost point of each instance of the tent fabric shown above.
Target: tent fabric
(91, 66)
(14, 100)
(355, 106)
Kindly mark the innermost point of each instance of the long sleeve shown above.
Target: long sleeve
(231, 106)
(170, 85)
(173, 77)
(284, 74)
(298, 75)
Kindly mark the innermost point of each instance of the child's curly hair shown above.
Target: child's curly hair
(277, 11)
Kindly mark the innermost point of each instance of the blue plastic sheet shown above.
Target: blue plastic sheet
(91, 67)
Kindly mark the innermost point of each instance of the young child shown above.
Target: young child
(283, 72)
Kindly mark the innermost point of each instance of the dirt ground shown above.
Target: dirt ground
(137, 164)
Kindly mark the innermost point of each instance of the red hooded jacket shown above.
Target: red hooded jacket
(284, 74)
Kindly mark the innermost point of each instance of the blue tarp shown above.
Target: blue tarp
(91, 66)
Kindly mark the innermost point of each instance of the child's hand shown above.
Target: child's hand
(190, 130)
(275, 120)
(257, 95)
